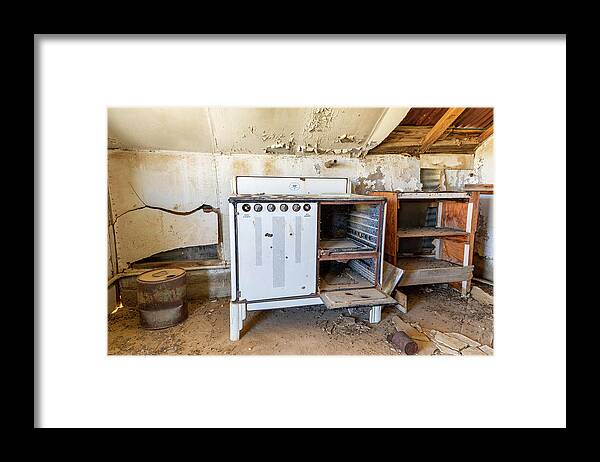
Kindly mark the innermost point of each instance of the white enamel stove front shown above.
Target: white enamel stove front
(277, 248)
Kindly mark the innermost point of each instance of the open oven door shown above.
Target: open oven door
(355, 297)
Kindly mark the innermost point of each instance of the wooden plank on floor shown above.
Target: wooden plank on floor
(356, 297)
(436, 276)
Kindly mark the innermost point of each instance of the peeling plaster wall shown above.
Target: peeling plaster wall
(294, 130)
(447, 161)
(392, 172)
(318, 130)
(186, 180)
(482, 171)
(176, 159)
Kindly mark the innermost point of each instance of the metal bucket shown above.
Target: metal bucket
(161, 298)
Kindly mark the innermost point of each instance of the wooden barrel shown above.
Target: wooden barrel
(161, 298)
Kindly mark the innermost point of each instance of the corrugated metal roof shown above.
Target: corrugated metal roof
(429, 116)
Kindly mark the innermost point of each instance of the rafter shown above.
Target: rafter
(486, 134)
(440, 127)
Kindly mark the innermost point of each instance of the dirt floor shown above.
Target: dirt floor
(433, 310)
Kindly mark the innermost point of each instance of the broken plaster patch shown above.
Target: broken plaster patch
(374, 181)
(345, 139)
(320, 119)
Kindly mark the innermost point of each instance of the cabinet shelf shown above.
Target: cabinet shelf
(429, 232)
(424, 270)
(455, 226)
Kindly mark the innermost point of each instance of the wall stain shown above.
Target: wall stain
(269, 168)
(372, 182)
(240, 167)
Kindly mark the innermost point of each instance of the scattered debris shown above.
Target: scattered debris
(454, 343)
(464, 338)
(346, 139)
(416, 326)
(481, 296)
(472, 351)
(346, 325)
(446, 350)
(487, 350)
(442, 339)
(279, 148)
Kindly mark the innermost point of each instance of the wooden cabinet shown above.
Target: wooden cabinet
(453, 237)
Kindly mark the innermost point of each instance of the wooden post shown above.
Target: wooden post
(472, 229)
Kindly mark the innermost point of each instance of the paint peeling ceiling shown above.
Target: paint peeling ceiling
(319, 130)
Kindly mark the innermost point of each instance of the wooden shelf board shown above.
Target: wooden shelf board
(418, 263)
(424, 270)
(429, 232)
(437, 195)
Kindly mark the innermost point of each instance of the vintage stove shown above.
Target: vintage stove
(299, 241)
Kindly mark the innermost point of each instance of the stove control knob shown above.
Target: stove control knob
(283, 207)
(246, 207)
(296, 207)
(306, 207)
(270, 207)
(257, 208)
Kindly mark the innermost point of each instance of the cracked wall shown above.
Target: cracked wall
(183, 181)
(144, 186)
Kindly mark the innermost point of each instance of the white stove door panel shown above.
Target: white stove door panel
(276, 252)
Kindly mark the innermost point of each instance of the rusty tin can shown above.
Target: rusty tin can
(402, 341)
(161, 296)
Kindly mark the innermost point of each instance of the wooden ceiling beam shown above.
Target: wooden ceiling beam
(440, 127)
(486, 134)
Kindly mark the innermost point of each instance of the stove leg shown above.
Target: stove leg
(235, 322)
(375, 314)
